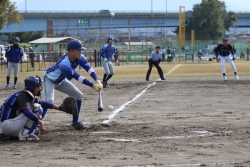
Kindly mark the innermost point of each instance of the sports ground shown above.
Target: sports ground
(194, 118)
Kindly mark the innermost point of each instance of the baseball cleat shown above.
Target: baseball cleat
(28, 137)
(7, 87)
(163, 78)
(237, 77)
(78, 126)
(105, 85)
(225, 78)
(14, 87)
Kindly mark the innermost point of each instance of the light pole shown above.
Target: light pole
(26, 6)
(112, 15)
(151, 6)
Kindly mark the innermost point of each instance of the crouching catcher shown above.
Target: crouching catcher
(21, 113)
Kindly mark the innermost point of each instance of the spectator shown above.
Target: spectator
(242, 55)
(186, 48)
(199, 54)
(32, 58)
(206, 52)
(163, 51)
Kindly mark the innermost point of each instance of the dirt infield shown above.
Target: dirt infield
(184, 121)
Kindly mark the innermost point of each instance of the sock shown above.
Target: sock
(109, 77)
(79, 104)
(33, 127)
(15, 80)
(8, 80)
(44, 112)
(235, 73)
(104, 77)
(224, 74)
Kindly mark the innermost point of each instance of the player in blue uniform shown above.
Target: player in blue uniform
(106, 53)
(59, 75)
(224, 51)
(14, 53)
(21, 112)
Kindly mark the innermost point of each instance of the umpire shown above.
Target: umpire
(14, 53)
(154, 61)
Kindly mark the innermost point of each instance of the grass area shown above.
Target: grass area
(134, 71)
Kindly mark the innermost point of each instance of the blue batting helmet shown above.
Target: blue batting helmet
(76, 45)
(110, 39)
(31, 82)
(225, 39)
(16, 39)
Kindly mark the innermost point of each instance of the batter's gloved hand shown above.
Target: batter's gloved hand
(218, 60)
(233, 58)
(69, 106)
(105, 59)
(97, 87)
(117, 62)
(99, 83)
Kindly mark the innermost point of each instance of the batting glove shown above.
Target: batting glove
(233, 58)
(105, 59)
(97, 87)
(99, 83)
(117, 62)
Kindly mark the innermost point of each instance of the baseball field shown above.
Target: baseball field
(194, 118)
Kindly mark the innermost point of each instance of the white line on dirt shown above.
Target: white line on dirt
(115, 112)
(201, 134)
(173, 69)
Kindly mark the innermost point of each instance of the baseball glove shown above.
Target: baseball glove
(233, 58)
(69, 106)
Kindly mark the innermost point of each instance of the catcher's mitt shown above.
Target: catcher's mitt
(233, 58)
(69, 106)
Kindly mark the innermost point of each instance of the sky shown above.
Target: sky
(122, 5)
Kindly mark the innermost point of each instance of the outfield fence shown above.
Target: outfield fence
(138, 54)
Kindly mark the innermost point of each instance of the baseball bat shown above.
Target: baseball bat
(100, 104)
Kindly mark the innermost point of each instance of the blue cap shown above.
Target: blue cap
(76, 45)
(225, 39)
(110, 39)
(16, 39)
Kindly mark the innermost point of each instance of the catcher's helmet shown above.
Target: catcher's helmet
(110, 39)
(16, 39)
(31, 82)
(76, 45)
(225, 39)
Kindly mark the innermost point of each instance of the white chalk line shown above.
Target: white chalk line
(201, 134)
(173, 69)
(115, 112)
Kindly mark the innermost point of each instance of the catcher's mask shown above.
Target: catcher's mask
(33, 81)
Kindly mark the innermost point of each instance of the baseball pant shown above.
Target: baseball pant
(223, 61)
(65, 86)
(13, 127)
(32, 62)
(10, 66)
(108, 67)
(150, 64)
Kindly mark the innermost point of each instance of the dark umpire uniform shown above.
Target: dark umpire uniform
(155, 59)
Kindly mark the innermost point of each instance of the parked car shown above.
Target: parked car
(3, 58)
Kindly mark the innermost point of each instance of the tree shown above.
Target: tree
(210, 20)
(25, 37)
(8, 13)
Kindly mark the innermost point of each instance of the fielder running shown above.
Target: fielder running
(59, 75)
(14, 53)
(224, 51)
(21, 112)
(106, 53)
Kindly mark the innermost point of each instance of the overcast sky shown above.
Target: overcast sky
(123, 5)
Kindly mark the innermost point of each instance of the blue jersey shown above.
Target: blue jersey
(107, 52)
(65, 68)
(223, 50)
(15, 53)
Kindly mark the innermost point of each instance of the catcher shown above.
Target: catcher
(21, 112)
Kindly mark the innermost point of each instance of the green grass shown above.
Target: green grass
(135, 71)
